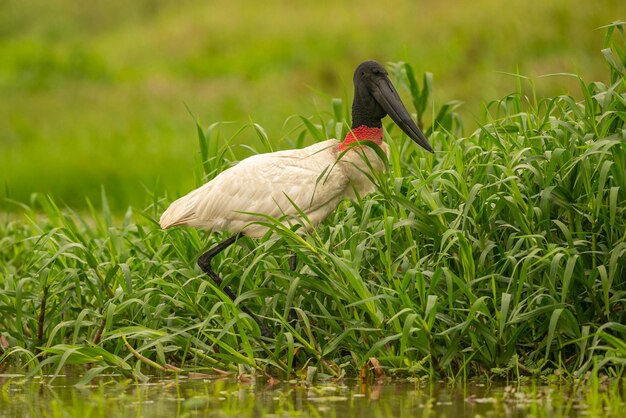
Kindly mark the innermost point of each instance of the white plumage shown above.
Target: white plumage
(315, 179)
(312, 180)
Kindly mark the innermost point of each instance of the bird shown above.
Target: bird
(309, 181)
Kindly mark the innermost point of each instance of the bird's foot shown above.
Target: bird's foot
(292, 317)
(265, 332)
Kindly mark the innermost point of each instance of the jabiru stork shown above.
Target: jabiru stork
(311, 180)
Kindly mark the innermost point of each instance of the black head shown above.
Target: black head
(375, 97)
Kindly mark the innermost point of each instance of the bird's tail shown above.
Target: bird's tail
(180, 212)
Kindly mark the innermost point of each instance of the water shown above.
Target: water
(182, 397)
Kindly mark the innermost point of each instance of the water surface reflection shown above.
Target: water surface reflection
(181, 397)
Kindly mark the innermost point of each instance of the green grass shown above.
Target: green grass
(503, 255)
(95, 93)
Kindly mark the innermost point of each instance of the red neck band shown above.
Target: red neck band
(362, 133)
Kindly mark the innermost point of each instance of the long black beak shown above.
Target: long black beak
(387, 96)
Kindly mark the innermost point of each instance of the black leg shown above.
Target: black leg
(204, 261)
(293, 316)
(292, 262)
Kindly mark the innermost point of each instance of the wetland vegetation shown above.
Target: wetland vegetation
(499, 258)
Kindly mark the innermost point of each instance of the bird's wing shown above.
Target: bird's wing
(273, 184)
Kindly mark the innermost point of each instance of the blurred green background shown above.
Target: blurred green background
(96, 93)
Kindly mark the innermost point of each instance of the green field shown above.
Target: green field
(96, 93)
(501, 256)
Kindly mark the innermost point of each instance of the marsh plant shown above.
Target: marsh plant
(502, 254)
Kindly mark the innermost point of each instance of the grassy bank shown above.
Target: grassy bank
(503, 254)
